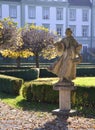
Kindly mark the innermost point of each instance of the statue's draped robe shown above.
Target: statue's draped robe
(65, 67)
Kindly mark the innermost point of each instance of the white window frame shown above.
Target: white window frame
(46, 13)
(85, 15)
(85, 31)
(59, 13)
(31, 12)
(13, 11)
(84, 46)
(59, 29)
(72, 14)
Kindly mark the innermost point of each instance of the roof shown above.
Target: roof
(80, 2)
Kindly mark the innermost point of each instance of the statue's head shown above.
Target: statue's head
(68, 32)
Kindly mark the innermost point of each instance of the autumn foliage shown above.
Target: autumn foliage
(9, 37)
(27, 41)
(39, 40)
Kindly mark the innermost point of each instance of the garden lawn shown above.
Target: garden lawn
(79, 81)
(85, 81)
(21, 103)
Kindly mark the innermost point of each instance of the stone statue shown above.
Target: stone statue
(68, 50)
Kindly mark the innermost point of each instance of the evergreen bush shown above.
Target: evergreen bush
(10, 85)
(82, 71)
(84, 96)
(26, 74)
(41, 91)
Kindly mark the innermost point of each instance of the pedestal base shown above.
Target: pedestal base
(64, 112)
(64, 95)
(64, 89)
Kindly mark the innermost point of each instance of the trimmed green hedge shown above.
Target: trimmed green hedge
(10, 85)
(45, 73)
(42, 91)
(27, 74)
(86, 71)
(33, 73)
(6, 67)
(80, 72)
(84, 96)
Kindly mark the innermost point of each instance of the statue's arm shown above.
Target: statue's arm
(59, 48)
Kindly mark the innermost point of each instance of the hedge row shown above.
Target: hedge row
(26, 74)
(13, 67)
(43, 92)
(80, 72)
(86, 71)
(84, 96)
(33, 73)
(10, 85)
(39, 93)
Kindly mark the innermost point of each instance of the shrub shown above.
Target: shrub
(86, 71)
(82, 71)
(10, 84)
(26, 92)
(27, 74)
(45, 73)
(42, 91)
(84, 96)
(6, 67)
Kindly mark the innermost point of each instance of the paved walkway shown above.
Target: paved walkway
(14, 119)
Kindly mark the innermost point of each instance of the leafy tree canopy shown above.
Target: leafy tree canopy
(9, 34)
(39, 40)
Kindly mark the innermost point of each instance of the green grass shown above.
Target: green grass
(80, 81)
(20, 103)
(85, 81)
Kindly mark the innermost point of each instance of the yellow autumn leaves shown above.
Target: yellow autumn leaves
(17, 42)
(32, 26)
(15, 54)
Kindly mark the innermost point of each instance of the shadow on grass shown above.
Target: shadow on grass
(21, 103)
(88, 112)
(36, 106)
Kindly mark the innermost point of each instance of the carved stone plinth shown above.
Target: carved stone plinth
(64, 89)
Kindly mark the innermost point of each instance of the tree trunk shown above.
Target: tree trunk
(18, 62)
(37, 60)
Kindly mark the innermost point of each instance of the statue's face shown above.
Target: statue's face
(68, 33)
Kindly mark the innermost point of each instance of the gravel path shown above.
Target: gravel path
(14, 119)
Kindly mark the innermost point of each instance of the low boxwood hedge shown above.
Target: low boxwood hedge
(84, 96)
(86, 71)
(26, 74)
(6, 67)
(79, 72)
(42, 91)
(10, 85)
(44, 73)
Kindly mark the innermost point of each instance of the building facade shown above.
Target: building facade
(56, 15)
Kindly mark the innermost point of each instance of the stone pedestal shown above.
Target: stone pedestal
(64, 97)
